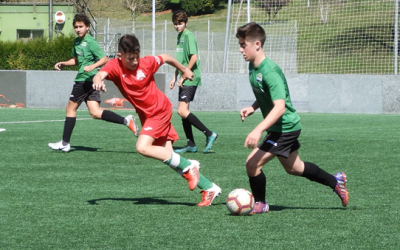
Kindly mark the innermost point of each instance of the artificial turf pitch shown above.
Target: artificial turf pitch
(104, 195)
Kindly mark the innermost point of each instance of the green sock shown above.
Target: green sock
(204, 183)
(176, 161)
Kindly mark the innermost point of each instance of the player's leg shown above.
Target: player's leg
(186, 95)
(254, 163)
(295, 166)
(183, 111)
(69, 124)
(93, 104)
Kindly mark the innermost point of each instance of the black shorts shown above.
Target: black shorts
(186, 93)
(84, 91)
(281, 144)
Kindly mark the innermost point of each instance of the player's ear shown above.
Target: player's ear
(119, 55)
(258, 45)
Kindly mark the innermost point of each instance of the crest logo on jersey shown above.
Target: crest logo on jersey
(157, 60)
(140, 75)
(83, 45)
(259, 77)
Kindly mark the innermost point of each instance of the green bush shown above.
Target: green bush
(36, 54)
(200, 6)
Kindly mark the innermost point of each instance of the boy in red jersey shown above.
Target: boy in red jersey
(134, 77)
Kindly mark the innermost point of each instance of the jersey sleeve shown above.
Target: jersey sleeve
(97, 52)
(73, 52)
(111, 69)
(191, 45)
(276, 86)
(156, 62)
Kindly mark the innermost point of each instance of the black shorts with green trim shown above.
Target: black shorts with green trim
(187, 93)
(84, 91)
(281, 144)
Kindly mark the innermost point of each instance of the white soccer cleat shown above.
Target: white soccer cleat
(59, 146)
(131, 124)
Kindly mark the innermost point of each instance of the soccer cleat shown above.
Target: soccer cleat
(132, 124)
(260, 207)
(192, 174)
(186, 149)
(59, 146)
(210, 140)
(209, 195)
(341, 189)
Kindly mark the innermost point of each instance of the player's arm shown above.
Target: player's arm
(192, 61)
(273, 116)
(98, 81)
(186, 73)
(70, 62)
(173, 80)
(248, 111)
(99, 63)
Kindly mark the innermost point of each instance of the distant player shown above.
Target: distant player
(86, 53)
(188, 55)
(134, 77)
(281, 122)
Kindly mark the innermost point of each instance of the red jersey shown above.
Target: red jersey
(138, 86)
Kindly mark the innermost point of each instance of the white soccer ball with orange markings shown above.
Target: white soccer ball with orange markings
(240, 202)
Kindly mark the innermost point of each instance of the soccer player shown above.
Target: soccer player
(188, 55)
(134, 77)
(281, 122)
(86, 53)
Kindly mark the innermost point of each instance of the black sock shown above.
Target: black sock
(258, 185)
(198, 124)
(68, 127)
(315, 173)
(187, 127)
(110, 116)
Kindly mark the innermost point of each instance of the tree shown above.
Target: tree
(272, 6)
(132, 5)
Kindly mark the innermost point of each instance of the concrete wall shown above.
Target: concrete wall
(369, 94)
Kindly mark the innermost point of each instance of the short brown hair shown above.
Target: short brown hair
(179, 16)
(129, 44)
(81, 18)
(252, 32)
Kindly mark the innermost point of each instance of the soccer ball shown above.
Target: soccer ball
(240, 202)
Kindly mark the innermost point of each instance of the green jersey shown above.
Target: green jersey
(185, 47)
(87, 51)
(269, 84)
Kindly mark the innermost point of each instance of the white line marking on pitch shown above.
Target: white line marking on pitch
(44, 121)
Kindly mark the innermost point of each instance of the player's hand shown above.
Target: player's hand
(88, 68)
(100, 86)
(172, 84)
(246, 112)
(252, 139)
(180, 83)
(187, 74)
(58, 66)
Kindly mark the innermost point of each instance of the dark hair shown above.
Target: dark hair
(129, 44)
(251, 32)
(81, 18)
(179, 16)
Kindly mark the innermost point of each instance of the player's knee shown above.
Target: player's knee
(142, 149)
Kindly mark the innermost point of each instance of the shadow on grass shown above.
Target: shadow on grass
(281, 208)
(89, 149)
(208, 152)
(141, 201)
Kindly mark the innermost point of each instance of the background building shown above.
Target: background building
(29, 20)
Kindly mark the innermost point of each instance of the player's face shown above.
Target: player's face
(248, 49)
(129, 60)
(80, 29)
(180, 27)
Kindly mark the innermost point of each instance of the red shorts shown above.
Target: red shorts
(159, 127)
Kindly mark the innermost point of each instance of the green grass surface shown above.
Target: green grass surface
(104, 195)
